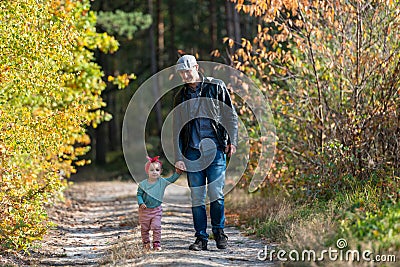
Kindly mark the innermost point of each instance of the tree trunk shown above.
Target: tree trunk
(160, 35)
(213, 24)
(230, 29)
(114, 129)
(236, 26)
(100, 135)
(155, 87)
(101, 144)
(173, 56)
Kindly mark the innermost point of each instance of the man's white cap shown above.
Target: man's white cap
(186, 62)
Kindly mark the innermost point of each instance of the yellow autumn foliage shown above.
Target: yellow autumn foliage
(331, 71)
(49, 92)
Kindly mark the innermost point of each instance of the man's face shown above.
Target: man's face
(191, 75)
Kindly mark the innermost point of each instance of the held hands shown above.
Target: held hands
(143, 206)
(180, 167)
(230, 150)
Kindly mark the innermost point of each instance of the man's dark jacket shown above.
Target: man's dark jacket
(215, 95)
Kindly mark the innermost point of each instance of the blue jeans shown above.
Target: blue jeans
(212, 176)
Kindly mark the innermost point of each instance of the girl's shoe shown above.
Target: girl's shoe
(146, 246)
(157, 246)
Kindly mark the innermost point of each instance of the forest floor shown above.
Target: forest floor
(97, 225)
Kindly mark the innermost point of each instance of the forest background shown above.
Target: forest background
(330, 70)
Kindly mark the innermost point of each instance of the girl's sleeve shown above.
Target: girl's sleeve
(140, 193)
(173, 178)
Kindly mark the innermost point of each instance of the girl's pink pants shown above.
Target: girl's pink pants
(150, 219)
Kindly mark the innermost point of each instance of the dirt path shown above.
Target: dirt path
(97, 226)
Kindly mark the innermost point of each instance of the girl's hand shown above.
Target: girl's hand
(143, 206)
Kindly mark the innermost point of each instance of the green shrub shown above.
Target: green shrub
(49, 92)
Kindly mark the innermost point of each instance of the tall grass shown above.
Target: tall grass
(279, 219)
(365, 218)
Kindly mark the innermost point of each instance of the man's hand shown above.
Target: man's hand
(230, 150)
(180, 166)
(143, 206)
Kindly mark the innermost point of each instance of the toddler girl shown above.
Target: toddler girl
(150, 194)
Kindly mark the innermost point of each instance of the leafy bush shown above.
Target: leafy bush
(331, 70)
(49, 91)
(368, 217)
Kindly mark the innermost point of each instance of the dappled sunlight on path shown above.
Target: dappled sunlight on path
(97, 225)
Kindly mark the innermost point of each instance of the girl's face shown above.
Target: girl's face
(154, 170)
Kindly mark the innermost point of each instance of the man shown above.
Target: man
(205, 132)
